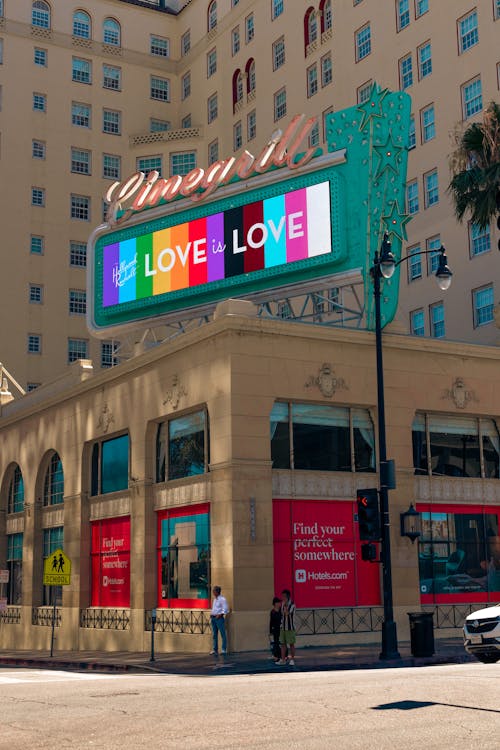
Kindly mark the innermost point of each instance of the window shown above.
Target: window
(249, 28)
(251, 125)
(53, 539)
(417, 325)
(158, 126)
(111, 77)
(414, 263)
(496, 8)
(277, 8)
(37, 196)
(77, 302)
(479, 239)
(421, 7)
(403, 14)
(212, 108)
(213, 151)
(80, 115)
(40, 57)
(468, 34)
(185, 43)
(78, 254)
(77, 349)
(235, 41)
(184, 557)
(280, 104)
(110, 555)
(186, 122)
(182, 447)
(81, 25)
(159, 46)
(472, 98)
(279, 53)
(80, 161)
(80, 207)
(311, 27)
(363, 42)
(312, 80)
(81, 70)
(250, 71)
(15, 568)
(431, 190)
(483, 303)
(111, 167)
(160, 89)
(110, 465)
(211, 62)
(326, 70)
(437, 320)
(412, 137)
(36, 294)
(111, 32)
(321, 438)
(15, 497)
(111, 121)
(326, 15)
(428, 123)
(433, 245)
(108, 354)
(412, 204)
(314, 136)
(237, 136)
(185, 85)
(38, 149)
(424, 55)
(36, 245)
(40, 14)
(147, 164)
(406, 72)
(363, 93)
(182, 162)
(212, 15)
(53, 487)
(39, 102)
(34, 343)
(32, 387)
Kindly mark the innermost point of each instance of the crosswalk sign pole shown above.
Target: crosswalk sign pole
(54, 597)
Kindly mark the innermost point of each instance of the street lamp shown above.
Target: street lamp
(384, 265)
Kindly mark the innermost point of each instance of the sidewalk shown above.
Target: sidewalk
(311, 659)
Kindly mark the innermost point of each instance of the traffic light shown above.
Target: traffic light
(369, 552)
(368, 515)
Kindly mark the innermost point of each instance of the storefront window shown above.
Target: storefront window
(322, 438)
(15, 502)
(110, 465)
(459, 553)
(15, 568)
(184, 441)
(53, 488)
(53, 539)
(110, 558)
(184, 557)
(456, 446)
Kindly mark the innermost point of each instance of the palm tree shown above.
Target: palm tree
(475, 166)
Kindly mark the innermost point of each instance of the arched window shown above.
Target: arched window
(40, 14)
(325, 7)
(111, 32)
(250, 71)
(237, 87)
(53, 486)
(212, 15)
(15, 498)
(81, 24)
(310, 27)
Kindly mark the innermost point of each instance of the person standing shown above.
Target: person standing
(217, 619)
(275, 627)
(287, 629)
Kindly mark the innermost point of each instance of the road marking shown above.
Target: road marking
(41, 675)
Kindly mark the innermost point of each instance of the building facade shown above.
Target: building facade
(91, 94)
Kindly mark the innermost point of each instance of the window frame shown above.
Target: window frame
(280, 106)
(413, 328)
(424, 65)
(477, 311)
(73, 354)
(431, 190)
(359, 44)
(466, 37)
(434, 322)
(466, 115)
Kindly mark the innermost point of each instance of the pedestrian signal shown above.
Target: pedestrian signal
(368, 515)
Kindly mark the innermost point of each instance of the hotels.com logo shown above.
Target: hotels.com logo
(300, 576)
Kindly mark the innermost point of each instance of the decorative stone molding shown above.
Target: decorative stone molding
(109, 507)
(326, 380)
(459, 489)
(194, 492)
(459, 394)
(176, 392)
(315, 484)
(106, 419)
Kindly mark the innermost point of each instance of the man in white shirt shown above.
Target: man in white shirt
(219, 610)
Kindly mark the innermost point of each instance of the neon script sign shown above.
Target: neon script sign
(273, 232)
(139, 191)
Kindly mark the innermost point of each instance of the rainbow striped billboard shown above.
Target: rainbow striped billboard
(276, 231)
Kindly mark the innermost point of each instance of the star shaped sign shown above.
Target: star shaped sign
(373, 106)
(388, 157)
(395, 221)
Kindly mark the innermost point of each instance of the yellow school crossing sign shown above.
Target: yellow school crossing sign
(57, 569)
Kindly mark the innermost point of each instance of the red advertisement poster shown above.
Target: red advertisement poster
(111, 563)
(317, 555)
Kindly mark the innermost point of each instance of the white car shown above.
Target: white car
(482, 634)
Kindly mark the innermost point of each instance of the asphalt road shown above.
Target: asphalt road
(434, 707)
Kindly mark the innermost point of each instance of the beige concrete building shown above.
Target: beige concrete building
(92, 92)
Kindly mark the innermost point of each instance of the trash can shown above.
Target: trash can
(421, 633)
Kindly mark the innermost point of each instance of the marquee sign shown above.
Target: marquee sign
(177, 246)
